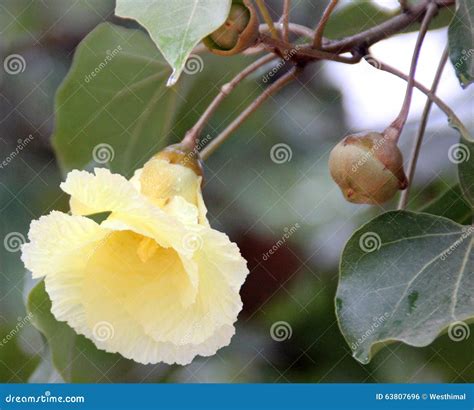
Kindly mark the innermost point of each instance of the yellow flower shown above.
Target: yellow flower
(153, 281)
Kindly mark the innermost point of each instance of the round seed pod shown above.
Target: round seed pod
(368, 167)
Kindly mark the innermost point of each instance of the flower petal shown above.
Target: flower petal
(60, 242)
(130, 210)
(222, 272)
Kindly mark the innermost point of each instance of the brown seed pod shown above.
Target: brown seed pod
(239, 32)
(368, 167)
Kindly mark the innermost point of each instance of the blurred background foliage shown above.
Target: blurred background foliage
(250, 197)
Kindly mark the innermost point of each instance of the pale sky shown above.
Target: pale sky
(372, 98)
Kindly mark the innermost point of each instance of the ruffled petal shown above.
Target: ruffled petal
(113, 329)
(130, 210)
(221, 271)
(60, 242)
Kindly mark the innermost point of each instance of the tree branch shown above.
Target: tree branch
(272, 89)
(192, 136)
(266, 17)
(421, 131)
(285, 19)
(297, 29)
(384, 30)
(454, 119)
(394, 130)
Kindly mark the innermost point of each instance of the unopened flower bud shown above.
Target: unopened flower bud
(368, 167)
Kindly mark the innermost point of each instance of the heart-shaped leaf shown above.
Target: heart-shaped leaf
(407, 277)
(176, 26)
(461, 42)
(113, 108)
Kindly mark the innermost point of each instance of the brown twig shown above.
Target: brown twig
(318, 32)
(384, 30)
(294, 28)
(454, 119)
(305, 53)
(192, 136)
(285, 17)
(266, 17)
(421, 131)
(394, 130)
(272, 89)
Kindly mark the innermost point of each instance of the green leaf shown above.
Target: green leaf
(75, 357)
(407, 277)
(176, 26)
(113, 108)
(461, 42)
(353, 18)
(451, 204)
